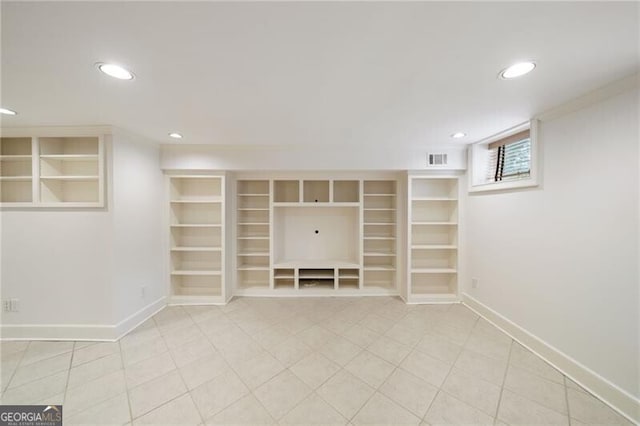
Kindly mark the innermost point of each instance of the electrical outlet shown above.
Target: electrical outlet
(475, 282)
(11, 305)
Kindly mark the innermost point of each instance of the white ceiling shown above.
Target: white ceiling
(371, 74)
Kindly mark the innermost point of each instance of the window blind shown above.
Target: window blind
(510, 161)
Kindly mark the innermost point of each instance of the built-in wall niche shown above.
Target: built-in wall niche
(284, 278)
(52, 171)
(316, 234)
(348, 278)
(52, 147)
(434, 235)
(434, 259)
(316, 278)
(434, 189)
(195, 261)
(286, 191)
(379, 279)
(253, 187)
(195, 189)
(316, 191)
(195, 238)
(253, 245)
(60, 190)
(253, 279)
(434, 284)
(16, 170)
(196, 213)
(196, 285)
(380, 229)
(346, 191)
(434, 211)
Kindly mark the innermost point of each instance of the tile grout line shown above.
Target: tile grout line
(177, 369)
(66, 385)
(453, 364)
(234, 371)
(126, 387)
(504, 380)
(566, 398)
(15, 370)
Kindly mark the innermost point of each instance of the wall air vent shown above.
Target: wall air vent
(436, 160)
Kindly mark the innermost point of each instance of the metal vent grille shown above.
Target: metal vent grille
(436, 159)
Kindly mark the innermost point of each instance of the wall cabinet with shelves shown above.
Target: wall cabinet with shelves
(52, 171)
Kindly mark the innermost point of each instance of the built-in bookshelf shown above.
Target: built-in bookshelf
(253, 257)
(16, 170)
(52, 171)
(197, 228)
(433, 239)
(379, 233)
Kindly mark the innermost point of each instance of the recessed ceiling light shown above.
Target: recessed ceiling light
(517, 70)
(175, 135)
(458, 135)
(115, 71)
(7, 111)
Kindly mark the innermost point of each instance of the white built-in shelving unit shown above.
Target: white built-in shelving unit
(52, 171)
(16, 171)
(197, 239)
(379, 233)
(253, 232)
(307, 236)
(433, 239)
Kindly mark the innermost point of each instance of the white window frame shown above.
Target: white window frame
(478, 161)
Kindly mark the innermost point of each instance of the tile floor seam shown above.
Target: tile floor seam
(504, 380)
(453, 364)
(566, 398)
(375, 390)
(48, 357)
(126, 388)
(95, 359)
(161, 405)
(538, 403)
(251, 391)
(15, 370)
(188, 391)
(292, 408)
(66, 385)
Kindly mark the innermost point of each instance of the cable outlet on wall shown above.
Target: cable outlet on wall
(475, 282)
(11, 305)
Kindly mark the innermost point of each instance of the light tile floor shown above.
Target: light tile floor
(300, 361)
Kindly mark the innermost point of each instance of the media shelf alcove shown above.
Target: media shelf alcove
(313, 235)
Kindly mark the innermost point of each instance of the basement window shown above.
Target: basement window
(507, 160)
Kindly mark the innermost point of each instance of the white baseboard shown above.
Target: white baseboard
(619, 399)
(137, 318)
(90, 332)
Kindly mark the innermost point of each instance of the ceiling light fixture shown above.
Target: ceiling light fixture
(176, 135)
(115, 71)
(7, 111)
(458, 135)
(517, 70)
